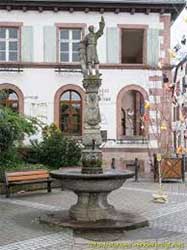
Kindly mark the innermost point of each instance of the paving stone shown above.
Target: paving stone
(20, 229)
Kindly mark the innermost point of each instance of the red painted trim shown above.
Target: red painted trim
(125, 149)
(57, 45)
(155, 78)
(17, 91)
(71, 25)
(132, 26)
(157, 106)
(166, 20)
(156, 91)
(77, 65)
(11, 24)
(19, 43)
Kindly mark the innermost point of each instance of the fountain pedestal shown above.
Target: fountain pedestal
(92, 212)
(92, 191)
(92, 207)
(92, 154)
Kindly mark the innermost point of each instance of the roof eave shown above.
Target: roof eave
(174, 9)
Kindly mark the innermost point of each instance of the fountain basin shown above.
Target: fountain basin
(92, 191)
(75, 181)
(92, 210)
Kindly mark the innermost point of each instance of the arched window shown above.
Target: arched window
(132, 113)
(9, 98)
(70, 113)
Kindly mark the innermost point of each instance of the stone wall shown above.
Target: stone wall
(122, 157)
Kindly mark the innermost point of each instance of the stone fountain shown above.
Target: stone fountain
(91, 184)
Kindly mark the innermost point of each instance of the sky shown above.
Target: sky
(179, 28)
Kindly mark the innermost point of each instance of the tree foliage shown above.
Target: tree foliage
(13, 128)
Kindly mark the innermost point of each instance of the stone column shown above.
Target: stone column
(92, 154)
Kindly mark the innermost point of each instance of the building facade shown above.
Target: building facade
(39, 66)
(179, 116)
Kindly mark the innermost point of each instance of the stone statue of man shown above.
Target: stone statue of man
(88, 49)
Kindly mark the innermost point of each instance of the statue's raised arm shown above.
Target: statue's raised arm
(101, 27)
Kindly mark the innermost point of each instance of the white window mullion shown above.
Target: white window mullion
(70, 42)
(59, 44)
(71, 46)
(7, 45)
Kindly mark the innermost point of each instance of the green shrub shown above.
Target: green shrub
(25, 166)
(13, 127)
(56, 150)
(28, 154)
(9, 158)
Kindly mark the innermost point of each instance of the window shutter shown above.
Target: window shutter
(153, 47)
(112, 43)
(50, 41)
(27, 43)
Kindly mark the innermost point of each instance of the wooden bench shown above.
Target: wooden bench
(26, 177)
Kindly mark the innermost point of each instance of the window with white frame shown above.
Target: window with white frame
(9, 39)
(69, 44)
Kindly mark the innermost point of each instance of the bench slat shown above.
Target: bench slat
(23, 173)
(28, 177)
(29, 182)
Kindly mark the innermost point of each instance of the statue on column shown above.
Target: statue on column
(88, 50)
(91, 154)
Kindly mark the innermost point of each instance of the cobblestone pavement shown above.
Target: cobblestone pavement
(20, 229)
